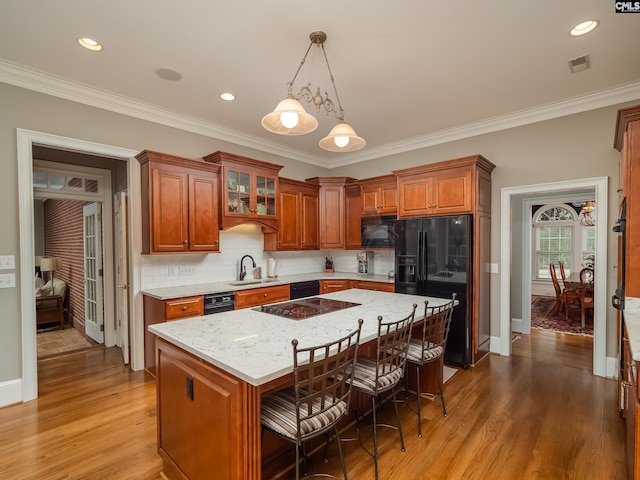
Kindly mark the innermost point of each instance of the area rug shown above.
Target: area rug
(542, 318)
(57, 342)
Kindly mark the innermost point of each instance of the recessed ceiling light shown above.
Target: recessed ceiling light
(584, 28)
(167, 73)
(229, 97)
(90, 44)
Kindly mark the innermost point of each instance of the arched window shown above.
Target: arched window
(559, 236)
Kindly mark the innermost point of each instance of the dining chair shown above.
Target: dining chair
(564, 296)
(586, 293)
(430, 346)
(377, 376)
(319, 397)
(562, 272)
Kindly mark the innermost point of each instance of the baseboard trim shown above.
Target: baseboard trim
(494, 345)
(516, 325)
(11, 392)
(611, 368)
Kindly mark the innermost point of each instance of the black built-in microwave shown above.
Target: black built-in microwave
(378, 231)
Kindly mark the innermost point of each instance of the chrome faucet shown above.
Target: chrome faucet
(243, 271)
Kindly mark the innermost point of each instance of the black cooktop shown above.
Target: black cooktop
(305, 307)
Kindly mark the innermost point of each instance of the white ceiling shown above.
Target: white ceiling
(410, 73)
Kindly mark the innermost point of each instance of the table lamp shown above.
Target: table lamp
(50, 264)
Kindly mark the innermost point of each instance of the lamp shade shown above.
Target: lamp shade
(50, 264)
(306, 123)
(342, 138)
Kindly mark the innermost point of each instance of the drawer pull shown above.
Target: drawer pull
(184, 307)
(265, 294)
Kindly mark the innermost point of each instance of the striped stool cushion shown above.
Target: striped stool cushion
(431, 351)
(364, 377)
(278, 413)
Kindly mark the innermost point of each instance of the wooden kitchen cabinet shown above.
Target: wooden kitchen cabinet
(631, 404)
(160, 311)
(329, 286)
(444, 188)
(249, 190)
(627, 141)
(179, 204)
(379, 195)
(298, 204)
(332, 211)
(377, 286)
(255, 297)
(200, 418)
(353, 217)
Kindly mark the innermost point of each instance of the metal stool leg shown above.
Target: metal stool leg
(418, 401)
(395, 405)
(375, 438)
(440, 374)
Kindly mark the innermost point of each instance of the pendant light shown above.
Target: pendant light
(290, 118)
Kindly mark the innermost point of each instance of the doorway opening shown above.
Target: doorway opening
(28, 141)
(515, 287)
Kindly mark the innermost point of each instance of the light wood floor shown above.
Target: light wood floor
(539, 414)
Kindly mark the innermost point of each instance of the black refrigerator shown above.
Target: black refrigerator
(434, 258)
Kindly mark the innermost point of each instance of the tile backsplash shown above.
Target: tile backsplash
(159, 271)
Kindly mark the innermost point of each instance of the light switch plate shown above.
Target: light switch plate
(7, 262)
(7, 280)
(494, 267)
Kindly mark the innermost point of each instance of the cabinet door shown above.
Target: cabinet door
(414, 196)
(370, 200)
(204, 232)
(288, 233)
(452, 193)
(389, 198)
(310, 235)
(170, 218)
(199, 417)
(332, 218)
(265, 196)
(237, 186)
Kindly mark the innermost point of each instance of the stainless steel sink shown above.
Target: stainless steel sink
(252, 281)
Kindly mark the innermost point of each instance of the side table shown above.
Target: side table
(49, 310)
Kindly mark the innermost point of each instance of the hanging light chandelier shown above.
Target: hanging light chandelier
(586, 220)
(290, 118)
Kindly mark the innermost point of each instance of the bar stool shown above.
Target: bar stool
(374, 377)
(429, 347)
(319, 398)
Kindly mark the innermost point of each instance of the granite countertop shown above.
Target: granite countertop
(256, 346)
(168, 293)
(632, 324)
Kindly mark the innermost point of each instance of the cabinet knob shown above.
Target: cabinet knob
(184, 241)
(184, 307)
(265, 295)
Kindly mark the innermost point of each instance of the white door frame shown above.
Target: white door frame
(25, 141)
(600, 184)
(527, 257)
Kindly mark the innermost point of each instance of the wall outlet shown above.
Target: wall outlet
(187, 270)
(8, 280)
(493, 268)
(7, 262)
(173, 271)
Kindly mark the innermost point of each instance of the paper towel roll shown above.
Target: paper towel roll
(272, 267)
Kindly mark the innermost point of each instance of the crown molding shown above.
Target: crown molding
(592, 101)
(77, 92)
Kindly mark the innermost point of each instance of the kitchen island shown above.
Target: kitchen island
(212, 372)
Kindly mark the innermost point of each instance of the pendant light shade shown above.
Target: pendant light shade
(289, 118)
(342, 138)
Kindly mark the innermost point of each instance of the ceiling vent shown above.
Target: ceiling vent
(579, 63)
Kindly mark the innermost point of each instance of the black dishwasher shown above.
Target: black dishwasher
(304, 289)
(219, 302)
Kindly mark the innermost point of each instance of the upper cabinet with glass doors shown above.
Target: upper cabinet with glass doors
(249, 190)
